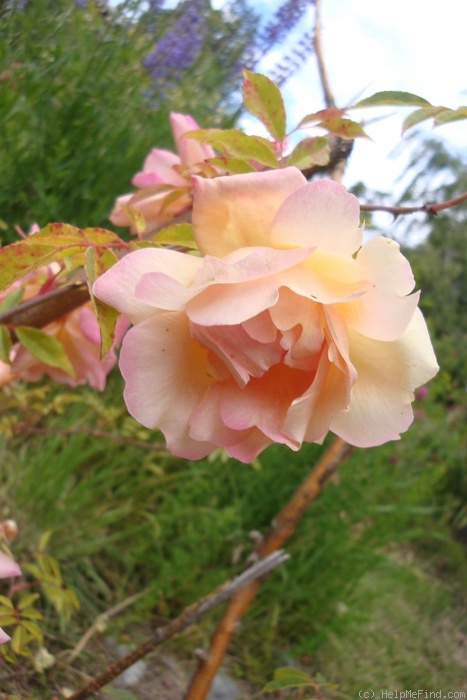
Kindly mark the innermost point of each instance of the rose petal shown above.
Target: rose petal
(309, 416)
(326, 278)
(4, 637)
(293, 311)
(88, 325)
(118, 216)
(321, 214)
(384, 311)
(261, 328)
(206, 425)
(263, 403)
(388, 372)
(158, 168)
(117, 286)
(237, 211)
(8, 567)
(255, 289)
(243, 356)
(232, 303)
(191, 151)
(166, 377)
(154, 208)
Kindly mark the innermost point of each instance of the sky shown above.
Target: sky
(370, 45)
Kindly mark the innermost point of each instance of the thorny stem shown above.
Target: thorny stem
(188, 617)
(282, 527)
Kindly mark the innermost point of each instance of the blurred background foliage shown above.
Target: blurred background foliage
(80, 110)
(372, 595)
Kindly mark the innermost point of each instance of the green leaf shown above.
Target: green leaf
(344, 128)
(137, 219)
(33, 629)
(288, 678)
(6, 620)
(310, 151)
(27, 601)
(18, 639)
(332, 119)
(5, 344)
(235, 143)
(100, 236)
(45, 348)
(176, 234)
(32, 614)
(18, 258)
(450, 115)
(232, 165)
(34, 570)
(6, 602)
(97, 262)
(22, 257)
(57, 235)
(392, 97)
(420, 115)
(44, 540)
(263, 99)
(323, 114)
(11, 299)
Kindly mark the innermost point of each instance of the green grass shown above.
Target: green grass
(373, 559)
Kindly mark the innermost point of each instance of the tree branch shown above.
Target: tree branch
(188, 617)
(432, 209)
(323, 76)
(282, 527)
(45, 308)
(340, 148)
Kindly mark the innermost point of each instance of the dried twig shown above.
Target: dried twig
(97, 624)
(188, 617)
(281, 529)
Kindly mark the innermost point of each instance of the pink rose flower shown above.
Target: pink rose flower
(160, 169)
(8, 569)
(288, 326)
(78, 331)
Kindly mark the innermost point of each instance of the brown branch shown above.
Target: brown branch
(188, 617)
(340, 148)
(432, 209)
(45, 308)
(318, 44)
(338, 157)
(282, 528)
